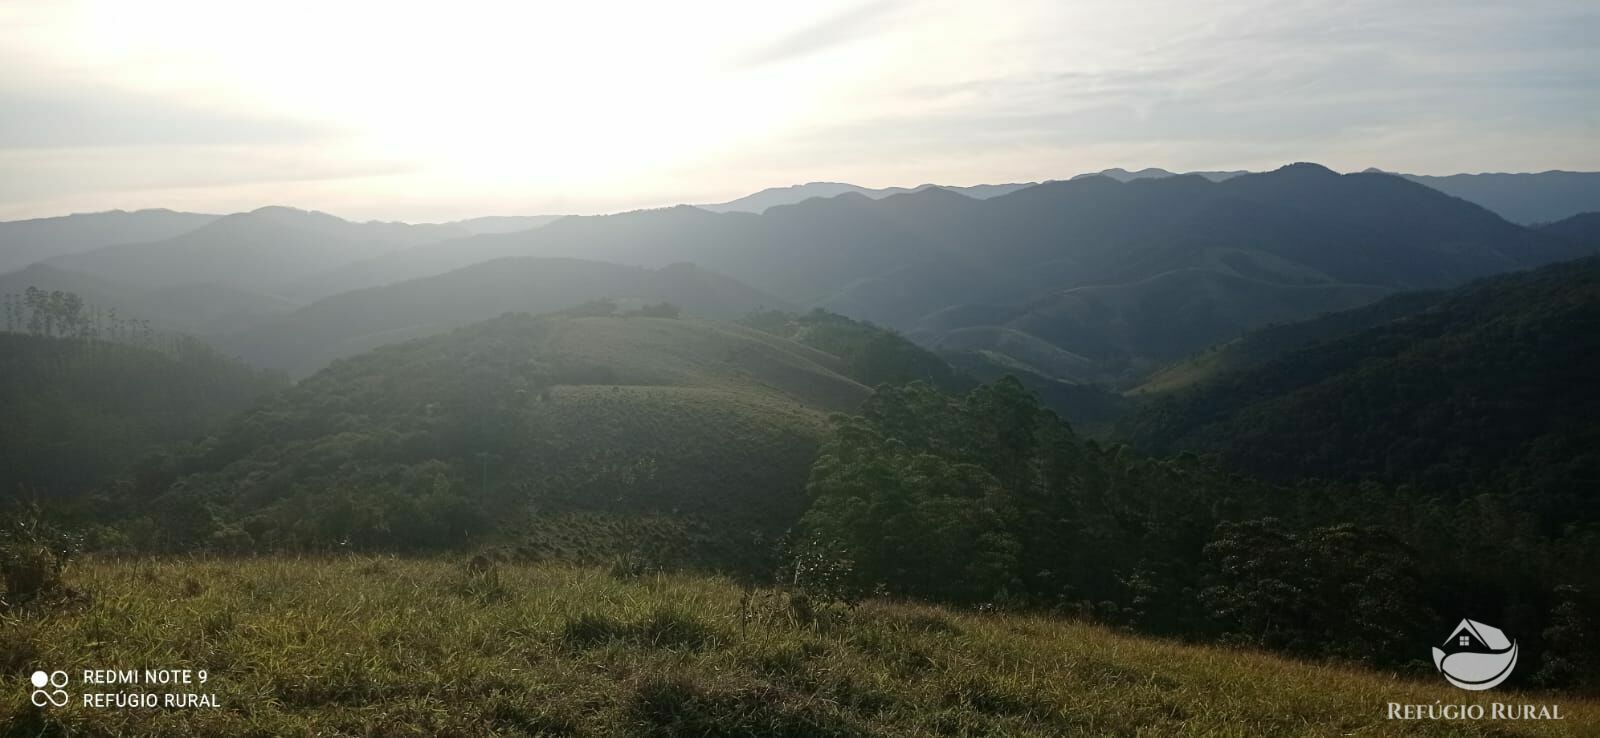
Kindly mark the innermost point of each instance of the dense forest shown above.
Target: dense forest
(988, 498)
(1490, 389)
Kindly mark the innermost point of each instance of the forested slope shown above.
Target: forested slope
(441, 441)
(1492, 387)
(77, 412)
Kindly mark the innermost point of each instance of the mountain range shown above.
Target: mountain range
(268, 249)
(1124, 275)
(1100, 278)
(24, 242)
(1531, 198)
(774, 196)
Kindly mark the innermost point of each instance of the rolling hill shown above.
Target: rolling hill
(1488, 386)
(24, 242)
(346, 324)
(494, 427)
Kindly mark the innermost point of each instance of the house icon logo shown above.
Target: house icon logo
(1476, 656)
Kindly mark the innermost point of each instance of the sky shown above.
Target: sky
(435, 111)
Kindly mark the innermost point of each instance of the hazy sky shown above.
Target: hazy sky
(418, 111)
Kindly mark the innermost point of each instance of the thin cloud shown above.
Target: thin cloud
(840, 28)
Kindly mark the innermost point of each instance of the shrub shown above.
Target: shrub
(633, 565)
(481, 581)
(33, 555)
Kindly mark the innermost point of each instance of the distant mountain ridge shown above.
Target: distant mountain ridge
(268, 249)
(24, 242)
(1099, 278)
(774, 196)
(1525, 198)
(1123, 175)
(503, 223)
(1124, 274)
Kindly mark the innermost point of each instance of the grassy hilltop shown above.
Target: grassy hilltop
(394, 647)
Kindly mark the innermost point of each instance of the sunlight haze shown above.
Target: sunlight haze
(428, 112)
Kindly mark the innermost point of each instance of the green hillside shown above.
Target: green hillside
(988, 497)
(1260, 346)
(492, 428)
(871, 355)
(1091, 409)
(78, 412)
(385, 647)
(1491, 387)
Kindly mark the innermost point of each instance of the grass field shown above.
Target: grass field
(375, 646)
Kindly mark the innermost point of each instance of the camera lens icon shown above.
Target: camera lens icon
(41, 697)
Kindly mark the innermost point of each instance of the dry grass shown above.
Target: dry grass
(374, 646)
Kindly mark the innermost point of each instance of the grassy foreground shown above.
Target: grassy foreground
(371, 646)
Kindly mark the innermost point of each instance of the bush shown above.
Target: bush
(635, 564)
(481, 581)
(33, 555)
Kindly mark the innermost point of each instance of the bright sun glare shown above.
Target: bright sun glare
(488, 92)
